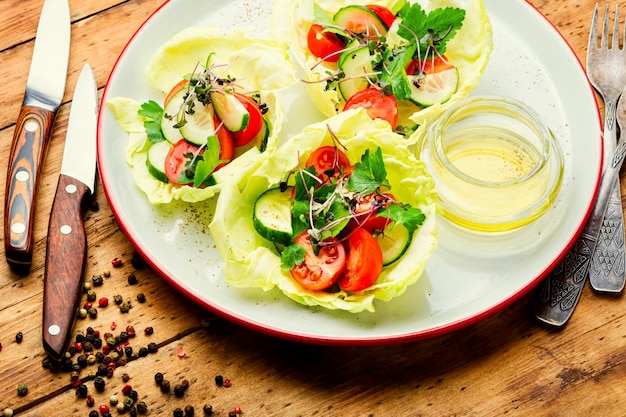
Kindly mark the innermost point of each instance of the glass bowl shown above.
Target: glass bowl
(496, 164)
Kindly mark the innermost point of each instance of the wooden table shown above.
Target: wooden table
(506, 364)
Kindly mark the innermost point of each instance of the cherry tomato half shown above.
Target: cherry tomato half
(383, 13)
(377, 104)
(324, 45)
(224, 136)
(320, 271)
(177, 159)
(430, 66)
(373, 204)
(364, 264)
(329, 158)
(243, 137)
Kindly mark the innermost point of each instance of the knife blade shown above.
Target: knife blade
(66, 250)
(45, 87)
(560, 291)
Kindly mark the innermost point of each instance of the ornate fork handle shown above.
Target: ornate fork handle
(561, 290)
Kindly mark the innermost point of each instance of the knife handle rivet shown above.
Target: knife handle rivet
(31, 126)
(70, 189)
(66, 229)
(54, 329)
(22, 175)
(18, 228)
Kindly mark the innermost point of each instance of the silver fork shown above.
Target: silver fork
(606, 69)
(560, 292)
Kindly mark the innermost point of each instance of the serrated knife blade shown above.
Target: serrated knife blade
(45, 87)
(66, 250)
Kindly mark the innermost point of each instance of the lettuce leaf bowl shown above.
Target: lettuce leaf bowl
(468, 51)
(250, 261)
(260, 65)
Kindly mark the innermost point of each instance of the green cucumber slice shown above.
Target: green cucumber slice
(393, 242)
(169, 119)
(354, 63)
(230, 111)
(157, 154)
(272, 216)
(361, 19)
(433, 88)
(200, 124)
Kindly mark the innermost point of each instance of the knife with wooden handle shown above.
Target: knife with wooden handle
(66, 250)
(44, 92)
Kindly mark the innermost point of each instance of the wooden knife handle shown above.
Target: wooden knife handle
(30, 140)
(66, 254)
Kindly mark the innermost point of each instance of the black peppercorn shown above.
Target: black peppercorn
(82, 391)
(88, 347)
(142, 408)
(71, 350)
(178, 412)
(143, 351)
(158, 378)
(179, 390)
(94, 413)
(19, 337)
(128, 351)
(133, 395)
(148, 330)
(208, 410)
(152, 347)
(22, 390)
(141, 297)
(91, 295)
(219, 380)
(132, 411)
(82, 361)
(102, 369)
(165, 386)
(232, 414)
(80, 338)
(118, 299)
(132, 279)
(99, 384)
(189, 411)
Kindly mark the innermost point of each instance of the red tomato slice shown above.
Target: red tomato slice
(179, 86)
(364, 264)
(430, 66)
(384, 13)
(367, 209)
(377, 104)
(177, 158)
(243, 137)
(320, 271)
(329, 158)
(324, 45)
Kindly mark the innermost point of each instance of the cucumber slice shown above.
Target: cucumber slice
(171, 133)
(200, 124)
(393, 242)
(360, 19)
(434, 88)
(157, 154)
(354, 64)
(272, 215)
(230, 111)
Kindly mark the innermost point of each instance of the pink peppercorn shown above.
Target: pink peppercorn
(90, 401)
(103, 302)
(78, 346)
(116, 262)
(227, 383)
(126, 389)
(237, 410)
(103, 409)
(88, 305)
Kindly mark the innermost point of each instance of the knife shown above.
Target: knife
(559, 293)
(66, 250)
(45, 87)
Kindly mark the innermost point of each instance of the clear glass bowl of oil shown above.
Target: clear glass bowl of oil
(496, 164)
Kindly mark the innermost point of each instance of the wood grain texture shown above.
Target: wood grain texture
(505, 365)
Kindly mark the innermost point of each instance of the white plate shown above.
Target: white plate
(469, 276)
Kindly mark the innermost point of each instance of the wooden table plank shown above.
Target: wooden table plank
(506, 364)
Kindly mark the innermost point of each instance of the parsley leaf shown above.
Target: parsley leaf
(291, 256)
(369, 174)
(403, 214)
(153, 113)
(207, 163)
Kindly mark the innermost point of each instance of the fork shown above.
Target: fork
(560, 292)
(606, 70)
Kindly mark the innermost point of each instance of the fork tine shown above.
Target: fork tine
(604, 42)
(593, 33)
(616, 28)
